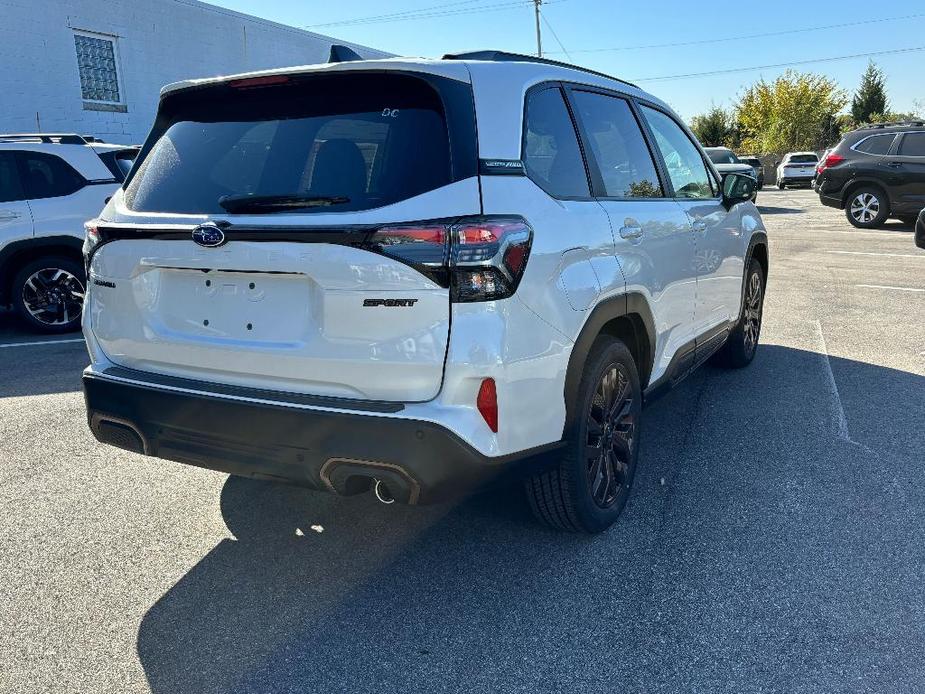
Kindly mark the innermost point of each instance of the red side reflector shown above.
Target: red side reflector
(487, 402)
(251, 82)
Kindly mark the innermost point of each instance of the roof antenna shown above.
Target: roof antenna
(342, 54)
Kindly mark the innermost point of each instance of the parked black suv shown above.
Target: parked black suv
(876, 172)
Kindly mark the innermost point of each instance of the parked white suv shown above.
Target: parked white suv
(51, 184)
(797, 167)
(416, 276)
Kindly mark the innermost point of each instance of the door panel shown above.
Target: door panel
(15, 216)
(655, 248)
(717, 261)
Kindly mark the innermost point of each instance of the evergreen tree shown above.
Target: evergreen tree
(712, 128)
(870, 98)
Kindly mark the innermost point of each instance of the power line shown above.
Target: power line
(554, 35)
(873, 54)
(744, 37)
(428, 12)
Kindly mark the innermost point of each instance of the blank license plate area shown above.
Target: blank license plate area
(236, 305)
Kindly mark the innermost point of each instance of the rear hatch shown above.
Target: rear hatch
(279, 232)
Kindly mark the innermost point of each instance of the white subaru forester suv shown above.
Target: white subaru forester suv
(416, 277)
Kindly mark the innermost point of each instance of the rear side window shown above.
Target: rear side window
(877, 144)
(119, 162)
(686, 167)
(618, 146)
(10, 186)
(913, 145)
(47, 176)
(552, 157)
(364, 140)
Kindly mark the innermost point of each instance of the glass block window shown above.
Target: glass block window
(96, 62)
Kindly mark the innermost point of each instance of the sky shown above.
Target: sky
(645, 40)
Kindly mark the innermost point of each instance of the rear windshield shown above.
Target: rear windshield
(722, 156)
(362, 141)
(752, 161)
(802, 159)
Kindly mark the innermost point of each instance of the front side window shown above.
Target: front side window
(877, 144)
(552, 157)
(338, 144)
(47, 176)
(96, 65)
(618, 146)
(913, 145)
(10, 185)
(686, 168)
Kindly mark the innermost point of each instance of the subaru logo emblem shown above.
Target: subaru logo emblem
(208, 235)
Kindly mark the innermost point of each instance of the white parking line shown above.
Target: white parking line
(40, 343)
(886, 255)
(886, 286)
(838, 410)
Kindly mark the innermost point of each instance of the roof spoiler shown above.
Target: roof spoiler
(342, 54)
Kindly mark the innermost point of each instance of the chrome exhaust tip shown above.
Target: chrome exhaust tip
(382, 493)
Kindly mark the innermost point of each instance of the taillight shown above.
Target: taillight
(92, 237)
(487, 403)
(478, 258)
(488, 257)
(830, 161)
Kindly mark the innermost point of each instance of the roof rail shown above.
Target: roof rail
(506, 57)
(898, 123)
(47, 138)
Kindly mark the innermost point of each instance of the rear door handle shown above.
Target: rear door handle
(631, 232)
(894, 164)
(699, 226)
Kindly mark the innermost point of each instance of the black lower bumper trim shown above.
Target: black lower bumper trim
(423, 461)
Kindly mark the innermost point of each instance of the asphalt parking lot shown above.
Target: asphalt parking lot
(774, 541)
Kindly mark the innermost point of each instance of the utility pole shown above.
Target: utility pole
(539, 39)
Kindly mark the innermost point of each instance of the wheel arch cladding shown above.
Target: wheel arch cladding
(626, 317)
(856, 184)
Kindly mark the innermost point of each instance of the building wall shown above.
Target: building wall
(156, 42)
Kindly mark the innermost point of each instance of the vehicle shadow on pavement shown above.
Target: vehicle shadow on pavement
(42, 370)
(762, 547)
(764, 209)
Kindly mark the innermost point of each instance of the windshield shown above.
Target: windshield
(722, 156)
(370, 140)
(802, 159)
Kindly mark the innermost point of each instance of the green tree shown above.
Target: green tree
(870, 98)
(713, 128)
(795, 111)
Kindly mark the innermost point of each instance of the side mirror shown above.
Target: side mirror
(737, 188)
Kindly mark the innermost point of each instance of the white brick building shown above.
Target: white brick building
(96, 67)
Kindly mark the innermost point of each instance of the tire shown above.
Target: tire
(588, 488)
(48, 294)
(742, 343)
(781, 185)
(867, 207)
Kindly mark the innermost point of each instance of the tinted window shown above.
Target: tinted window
(374, 140)
(722, 156)
(47, 176)
(802, 159)
(10, 186)
(552, 157)
(751, 161)
(686, 167)
(119, 162)
(878, 144)
(618, 146)
(913, 145)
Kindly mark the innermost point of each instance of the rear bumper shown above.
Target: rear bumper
(324, 449)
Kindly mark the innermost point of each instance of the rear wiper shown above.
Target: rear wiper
(276, 203)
